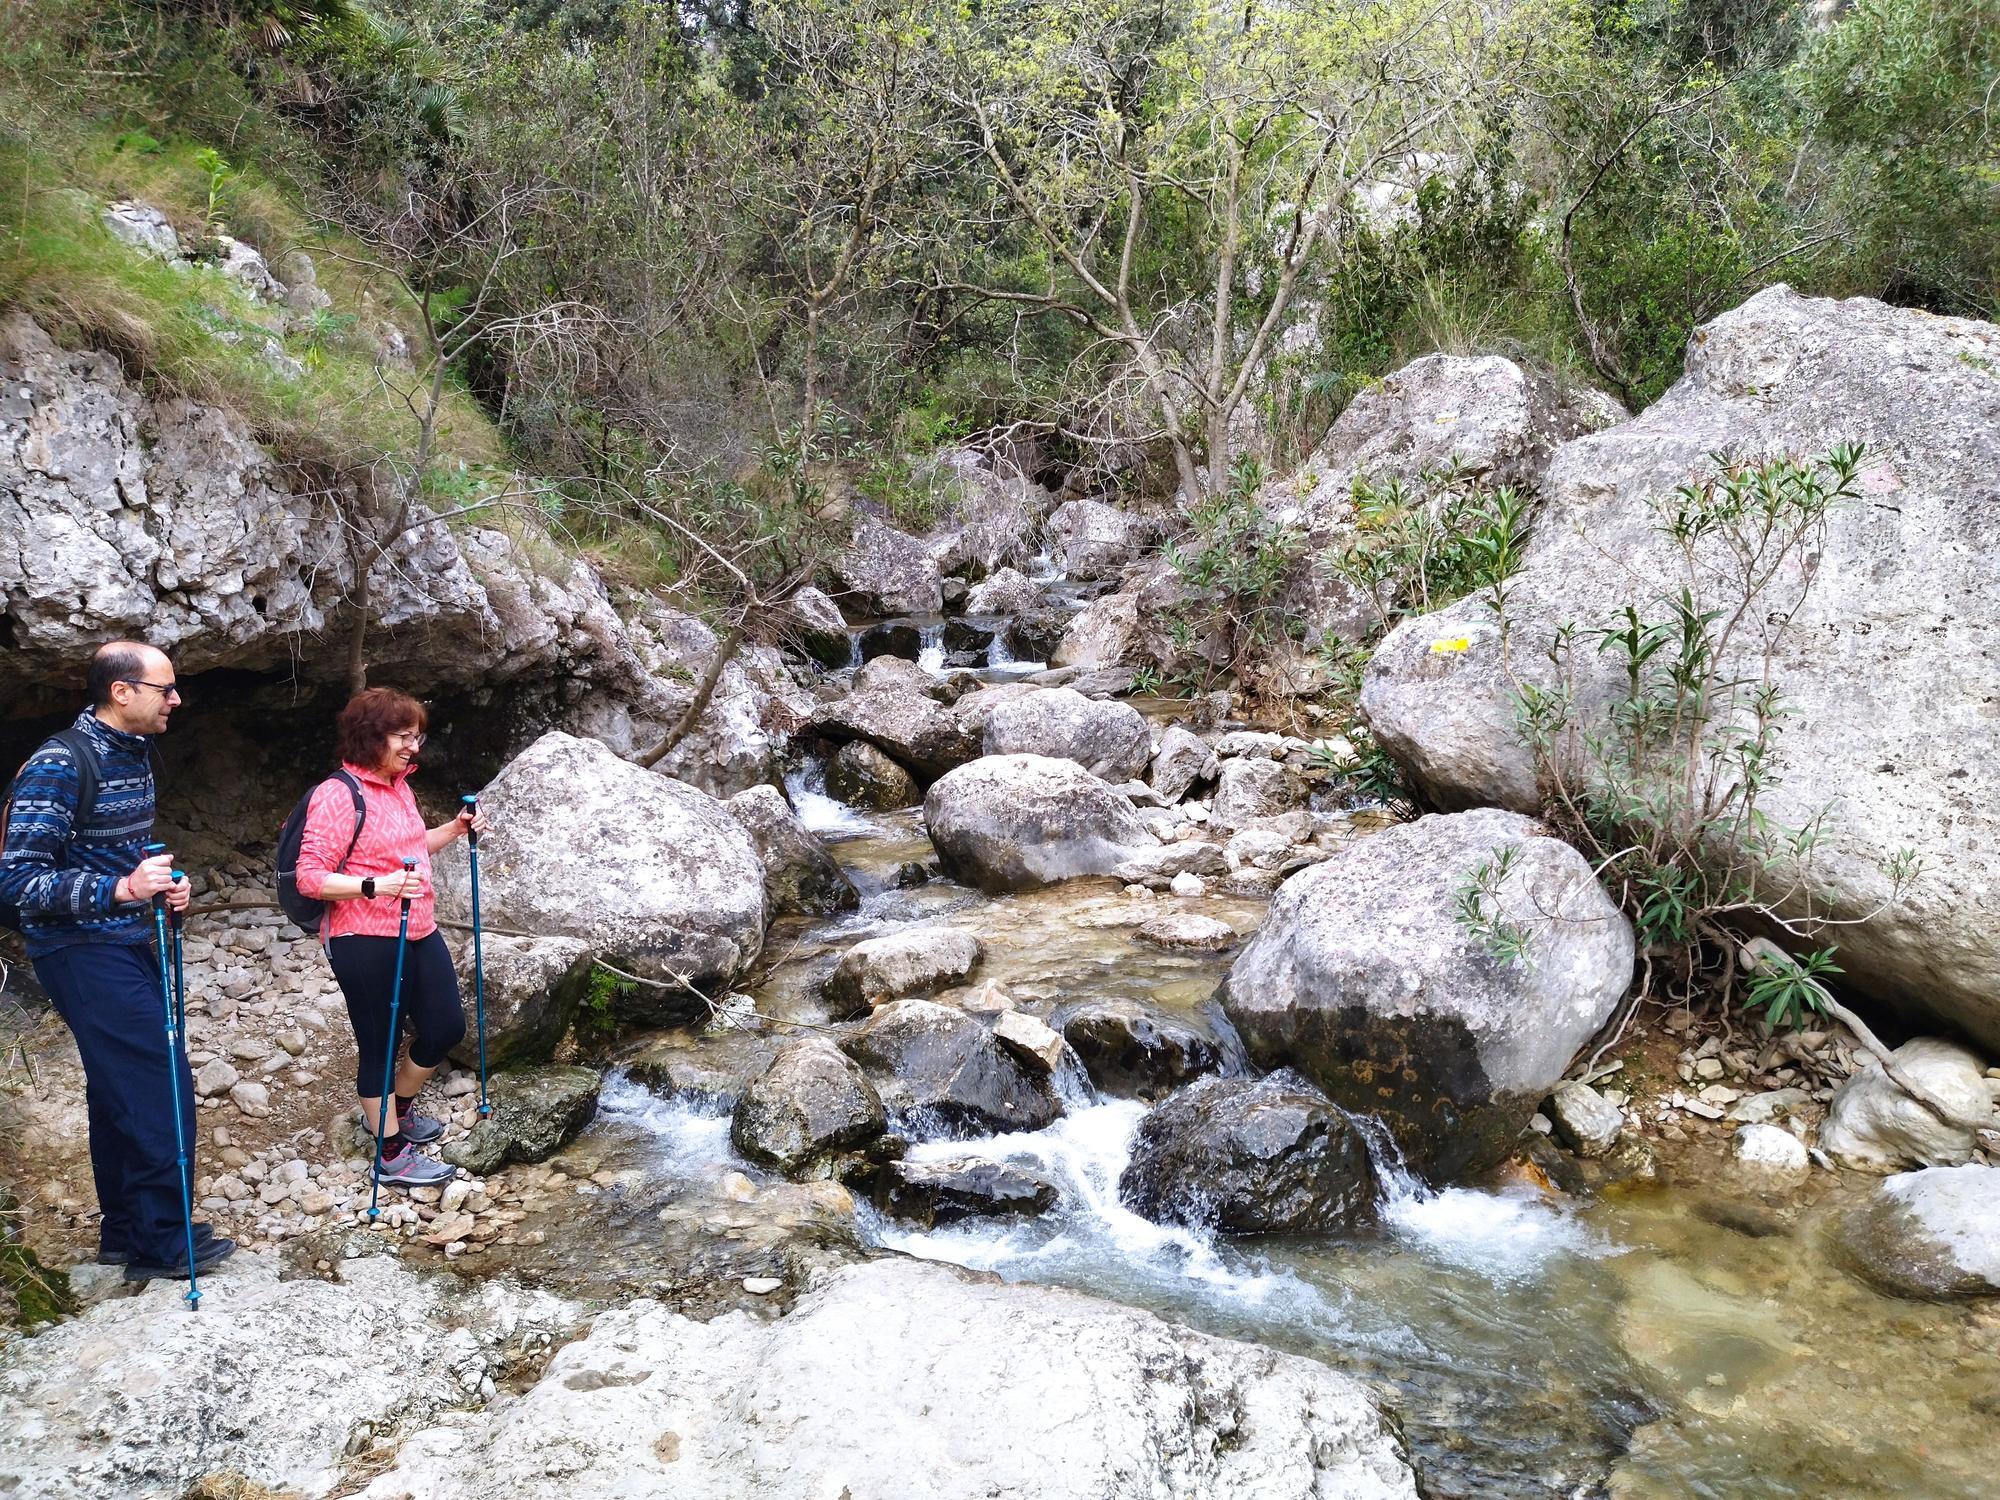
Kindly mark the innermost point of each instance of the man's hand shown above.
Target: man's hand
(152, 877)
(179, 894)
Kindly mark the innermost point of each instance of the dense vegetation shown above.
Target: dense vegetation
(704, 266)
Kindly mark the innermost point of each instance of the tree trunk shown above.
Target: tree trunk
(704, 690)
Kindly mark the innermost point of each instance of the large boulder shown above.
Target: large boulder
(941, 1072)
(811, 1102)
(1931, 1234)
(862, 776)
(1101, 635)
(993, 519)
(901, 1380)
(812, 620)
(1182, 759)
(1251, 787)
(884, 571)
(912, 729)
(1017, 822)
(1366, 979)
(1093, 540)
(1005, 592)
(532, 985)
(536, 1112)
(1886, 663)
(1136, 1050)
(1872, 1125)
(1107, 738)
(799, 875)
(656, 877)
(1270, 1155)
(915, 961)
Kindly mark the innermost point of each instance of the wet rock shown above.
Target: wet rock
(811, 1102)
(1093, 540)
(943, 1192)
(709, 1072)
(1182, 759)
(1876, 1127)
(940, 1072)
(1250, 1157)
(1187, 931)
(890, 640)
(674, 891)
(533, 987)
(1782, 373)
(884, 571)
(968, 638)
(900, 1380)
(862, 776)
(1932, 1234)
(799, 875)
(915, 961)
(1004, 593)
(1034, 1045)
(1101, 635)
(1588, 1123)
(1768, 1158)
(894, 674)
(1018, 822)
(1107, 739)
(1364, 979)
(1251, 787)
(536, 1112)
(915, 731)
(1136, 1051)
(815, 623)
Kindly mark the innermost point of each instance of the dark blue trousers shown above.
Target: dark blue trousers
(109, 993)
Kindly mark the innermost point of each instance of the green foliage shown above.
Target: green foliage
(1478, 910)
(597, 1014)
(1235, 562)
(1662, 773)
(1419, 547)
(1787, 990)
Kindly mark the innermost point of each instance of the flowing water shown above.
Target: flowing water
(1631, 1346)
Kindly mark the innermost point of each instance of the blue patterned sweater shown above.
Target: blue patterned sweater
(60, 863)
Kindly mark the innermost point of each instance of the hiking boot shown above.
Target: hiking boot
(418, 1130)
(205, 1255)
(407, 1167)
(203, 1234)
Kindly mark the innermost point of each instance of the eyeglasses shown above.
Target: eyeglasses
(413, 738)
(164, 689)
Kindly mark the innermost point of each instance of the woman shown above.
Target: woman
(380, 732)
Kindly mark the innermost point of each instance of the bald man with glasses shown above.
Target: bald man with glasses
(84, 886)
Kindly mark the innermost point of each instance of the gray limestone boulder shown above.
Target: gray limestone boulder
(1874, 1126)
(1092, 540)
(656, 877)
(942, 1192)
(862, 776)
(883, 571)
(1137, 1051)
(1364, 978)
(894, 674)
(1262, 1156)
(533, 987)
(1888, 668)
(810, 1103)
(1006, 592)
(911, 728)
(942, 1072)
(1018, 822)
(1102, 634)
(902, 1380)
(1182, 759)
(536, 1112)
(1933, 1234)
(1107, 738)
(994, 518)
(916, 961)
(1250, 787)
(799, 875)
(813, 621)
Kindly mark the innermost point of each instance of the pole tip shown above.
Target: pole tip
(485, 1110)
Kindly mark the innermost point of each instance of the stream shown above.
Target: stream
(1631, 1346)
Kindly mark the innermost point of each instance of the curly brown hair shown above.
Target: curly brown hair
(371, 716)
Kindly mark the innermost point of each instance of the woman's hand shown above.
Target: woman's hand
(470, 820)
(402, 883)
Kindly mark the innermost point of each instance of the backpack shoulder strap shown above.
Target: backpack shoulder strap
(360, 812)
(85, 755)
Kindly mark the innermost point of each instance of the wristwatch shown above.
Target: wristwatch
(368, 887)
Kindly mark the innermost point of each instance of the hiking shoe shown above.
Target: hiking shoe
(407, 1167)
(418, 1130)
(203, 1234)
(205, 1255)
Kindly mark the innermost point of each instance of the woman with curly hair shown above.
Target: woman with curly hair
(359, 874)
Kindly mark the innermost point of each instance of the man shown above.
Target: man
(85, 891)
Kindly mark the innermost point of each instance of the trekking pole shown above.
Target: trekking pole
(174, 1075)
(389, 1062)
(180, 973)
(478, 958)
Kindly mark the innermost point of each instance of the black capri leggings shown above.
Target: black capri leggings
(366, 969)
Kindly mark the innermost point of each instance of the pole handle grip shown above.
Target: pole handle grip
(408, 865)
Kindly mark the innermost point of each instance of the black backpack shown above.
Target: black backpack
(86, 798)
(301, 908)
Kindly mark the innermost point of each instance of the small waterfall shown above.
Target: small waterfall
(930, 649)
(1000, 657)
(853, 651)
(805, 785)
